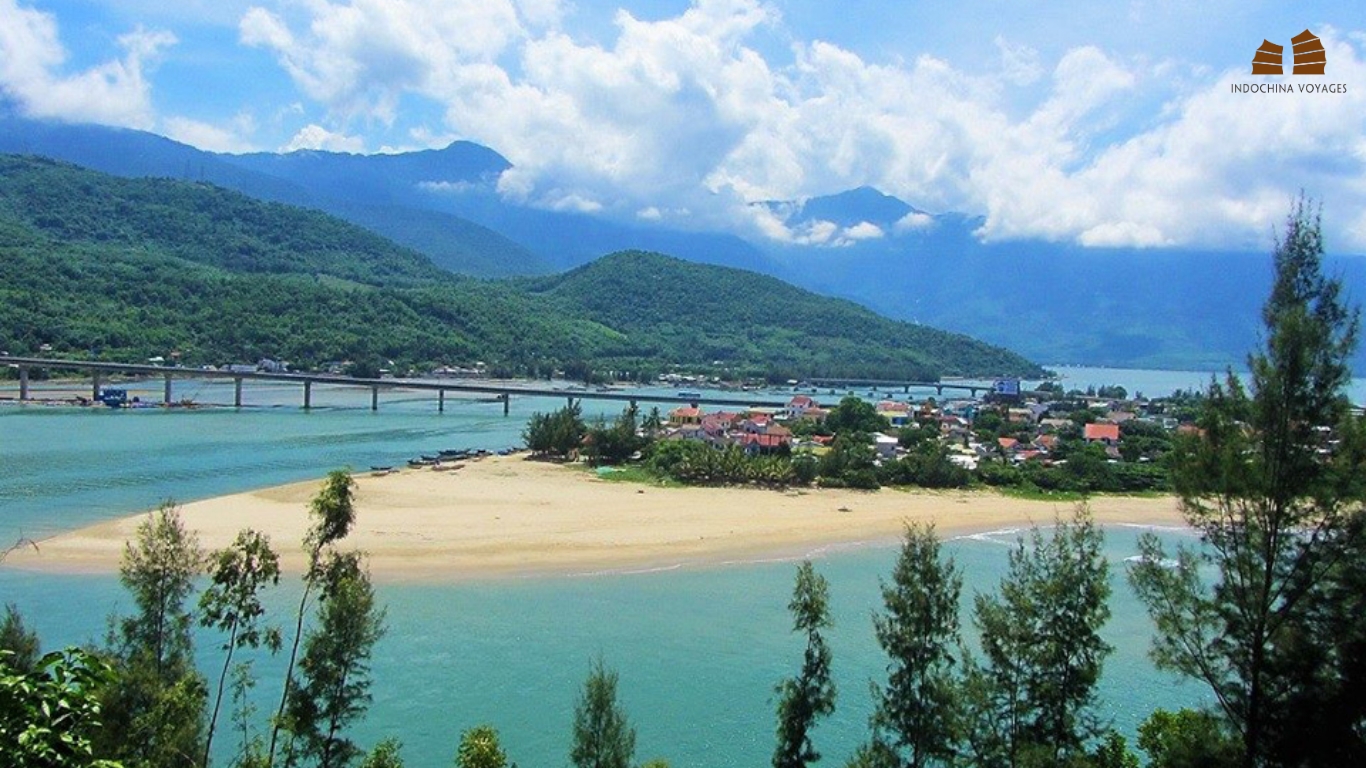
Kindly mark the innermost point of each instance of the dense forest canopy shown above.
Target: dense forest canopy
(122, 269)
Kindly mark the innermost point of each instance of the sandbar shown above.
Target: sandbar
(509, 516)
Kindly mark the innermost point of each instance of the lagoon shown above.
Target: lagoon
(699, 649)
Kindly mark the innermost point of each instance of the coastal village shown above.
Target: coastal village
(1007, 425)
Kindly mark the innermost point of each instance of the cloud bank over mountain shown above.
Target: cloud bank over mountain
(692, 115)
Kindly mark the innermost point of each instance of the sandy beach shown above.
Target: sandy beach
(509, 516)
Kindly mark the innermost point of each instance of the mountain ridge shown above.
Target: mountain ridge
(93, 264)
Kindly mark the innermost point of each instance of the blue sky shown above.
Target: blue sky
(1100, 124)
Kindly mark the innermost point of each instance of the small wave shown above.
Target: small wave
(1165, 562)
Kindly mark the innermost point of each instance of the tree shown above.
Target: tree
(479, 748)
(559, 433)
(1186, 739)
(232, 605)
(333, 511)
(49, 713)
(159, 568)
(334, 671)
(1277, 509)
(603, 737)
(384, 755)
(1030, 698)
(19, 640)
(811, 694)
(153, 712)
(917, 713)
(854, 414)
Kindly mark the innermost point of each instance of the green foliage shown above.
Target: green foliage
(855, 415)
(1187, 739)
(479, 748)
(333, 689)
(49, 713)
(20, 641)
(333, 512)
(1277, 507)
(1031, 696)
(154, 708)
(811, 695)
(692, 313)
(850, 463)
(928, 466)
(232, 605)
(917, 721)
(558, 434)
(603, 737)
(127, 269)
(617, 443)
(697, 463)
(386, 754)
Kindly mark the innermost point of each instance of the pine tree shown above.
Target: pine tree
(811, 694)
(917, 711)
(603, 737)
(1273, 486)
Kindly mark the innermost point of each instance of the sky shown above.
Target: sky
(1092, 123)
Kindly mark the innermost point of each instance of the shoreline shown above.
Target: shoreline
(507, 517)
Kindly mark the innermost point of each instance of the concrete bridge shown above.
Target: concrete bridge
(904, 386)
(502, 392)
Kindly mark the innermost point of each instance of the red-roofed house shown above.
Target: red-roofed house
(755, 443)
(799, 405)
(1102, 433)
(1007, 444)
(687, 414)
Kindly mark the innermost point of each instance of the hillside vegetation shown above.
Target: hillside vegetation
(127, 269)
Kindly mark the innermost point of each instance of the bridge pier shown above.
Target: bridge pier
(374, 398)
(939, 391)
(308, 395)
(95, 385)
(23, 383)
(237, 392)
(906, 389)
(166, 391)
(441, 401)
(507, 403)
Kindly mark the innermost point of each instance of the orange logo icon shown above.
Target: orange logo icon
(1310, 57)
(1309, 54)
(1268, 59)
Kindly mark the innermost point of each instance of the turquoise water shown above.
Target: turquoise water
(699, 649)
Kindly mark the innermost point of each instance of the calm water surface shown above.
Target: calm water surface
(699, 649)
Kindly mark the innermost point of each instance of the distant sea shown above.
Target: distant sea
(699, 649)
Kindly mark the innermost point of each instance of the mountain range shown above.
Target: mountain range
(1055, 302)
(125, 269)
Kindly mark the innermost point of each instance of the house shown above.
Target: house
(687, 414)
(896, 413)
(757, 444)
(1102, 433)
(719, 423)
(1007, 444)
(799, 405)
(884, 445)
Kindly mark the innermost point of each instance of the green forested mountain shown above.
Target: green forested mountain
(127, 269)
(674, 309)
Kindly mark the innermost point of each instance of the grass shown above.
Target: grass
(633, 473)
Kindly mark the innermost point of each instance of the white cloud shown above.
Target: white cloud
(1100, 148)
(650, 213)
(212, 138)
(915, 220)
(314, 136)
(114, 92)
(864, 230)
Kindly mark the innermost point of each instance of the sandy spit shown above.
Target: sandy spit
(509, 516)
